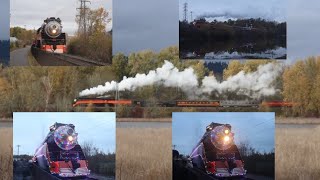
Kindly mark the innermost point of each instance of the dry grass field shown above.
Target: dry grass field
(284, 120)
(144, 154)
(6, 153)
(298, 153)
(144, 120)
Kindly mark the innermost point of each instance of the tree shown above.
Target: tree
(120, 65)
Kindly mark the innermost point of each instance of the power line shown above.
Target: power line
(82, 28)
(18, 148)
(185, 12)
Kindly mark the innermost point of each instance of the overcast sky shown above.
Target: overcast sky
(4, 19)
(303, 29)
(30, 129)
(267, 9)
(144, 24)
(31, 15)
(256, 129)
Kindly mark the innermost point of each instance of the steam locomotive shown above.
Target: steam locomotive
(103, 101)
(60, 154)
(216, 154)
(50, 37)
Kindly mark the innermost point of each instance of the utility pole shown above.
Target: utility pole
(82, 28)
(18, 148)
(191, 17)
(185, 12)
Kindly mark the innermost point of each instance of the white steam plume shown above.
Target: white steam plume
(254, 84)
(167, 75)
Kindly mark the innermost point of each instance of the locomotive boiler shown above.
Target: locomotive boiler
(60, 154)
(50, 36)
(216, 153)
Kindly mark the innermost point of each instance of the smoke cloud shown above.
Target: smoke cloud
(255, 84)
(167, 75)
(225, 14)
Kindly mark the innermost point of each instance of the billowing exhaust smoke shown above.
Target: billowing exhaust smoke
(254, 84)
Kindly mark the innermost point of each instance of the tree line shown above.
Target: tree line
(54, 88)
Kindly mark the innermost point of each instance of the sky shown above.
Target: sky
(4, 19)
(30, 129)
(303, 29)
(266, 9)
(144, 24)
(256, 129)
(31, 16)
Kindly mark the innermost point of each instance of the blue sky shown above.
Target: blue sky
(30, 129)
(267, 9)
(257, 129)
(4, 19)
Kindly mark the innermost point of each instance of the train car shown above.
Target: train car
(187, 103)
(50, 37)
(278, 104)
(60, 154)
(216, 154)
(239, 103)
(102, 102)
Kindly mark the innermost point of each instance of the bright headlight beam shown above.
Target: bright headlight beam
(226, 131)
(70, 138)
(226, 139)
(54, 31)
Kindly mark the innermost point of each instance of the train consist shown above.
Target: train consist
(60, 154)
(102, 101)
(216, 154)
(50, 37)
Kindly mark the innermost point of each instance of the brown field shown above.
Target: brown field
(298, 153)
(6, 153)
(144, 120)
(283, 120)
(144, 153)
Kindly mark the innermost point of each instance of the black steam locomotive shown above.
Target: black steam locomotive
(50, 36)
(216, 154)
(60, 154)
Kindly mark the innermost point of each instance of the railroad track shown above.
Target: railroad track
(76, 60)
(67, 58)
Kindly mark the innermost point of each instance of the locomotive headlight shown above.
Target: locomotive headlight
(226, 131)
(54, 31)
(226, 139)
(70, 138)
